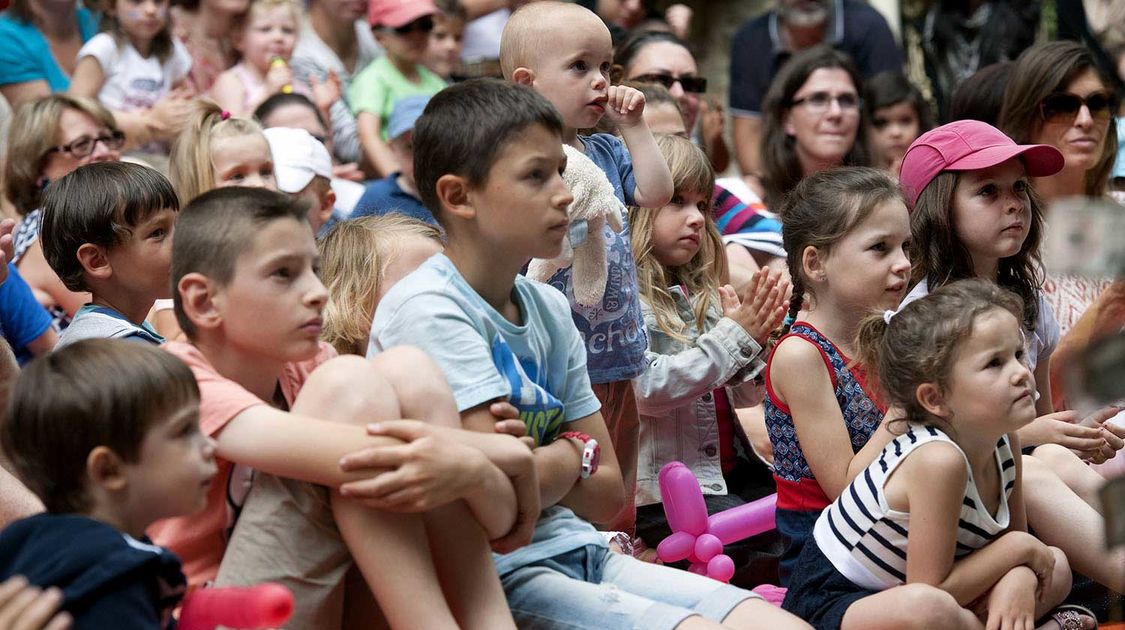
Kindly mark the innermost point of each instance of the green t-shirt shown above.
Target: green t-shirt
(380, 85)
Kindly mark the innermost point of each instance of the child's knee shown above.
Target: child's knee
(1054, 455)
(348, 388)
(926, 606)
(419, 384)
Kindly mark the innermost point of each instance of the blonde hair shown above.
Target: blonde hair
(257, 7)
(191, 169)
(354, 255)
(35, 131)
(524, 32)
(691, 171)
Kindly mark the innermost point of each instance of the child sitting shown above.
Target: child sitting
(265, 38)
(499, 336)
(564, 52)
(397, 192)
(402, 28)
(943, 504)
(705, 352)
(115, 446)
(302, 167)
(107, 229)
(138, 70)
(248, 299)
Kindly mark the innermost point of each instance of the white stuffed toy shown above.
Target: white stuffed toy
(584, 248)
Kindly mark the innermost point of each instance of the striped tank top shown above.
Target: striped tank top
(866, 540)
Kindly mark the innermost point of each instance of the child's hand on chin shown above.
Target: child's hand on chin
(1011, 603)
(625, 106)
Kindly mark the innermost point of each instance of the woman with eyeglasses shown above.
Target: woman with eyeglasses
(812, 121)
(50, 138)
(1057, 95)
(662, 58)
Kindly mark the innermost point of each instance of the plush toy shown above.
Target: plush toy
(584, 248)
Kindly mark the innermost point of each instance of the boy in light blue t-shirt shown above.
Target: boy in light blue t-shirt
(497, 336)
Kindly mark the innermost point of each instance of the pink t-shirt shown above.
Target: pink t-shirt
(201, 539)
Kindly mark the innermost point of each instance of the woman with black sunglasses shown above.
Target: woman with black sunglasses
(662, 58)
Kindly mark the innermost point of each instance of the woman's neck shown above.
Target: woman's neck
(811, 165)
(54, 21)
(1065, 183)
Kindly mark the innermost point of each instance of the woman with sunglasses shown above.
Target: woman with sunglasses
(662, 58)
(812, 121)
(1058, 96)
(50, 138)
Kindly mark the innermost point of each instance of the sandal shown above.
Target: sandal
(1070, 617)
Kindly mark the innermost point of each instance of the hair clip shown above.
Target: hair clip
(225, 115)
(788, 321)
(887, 315)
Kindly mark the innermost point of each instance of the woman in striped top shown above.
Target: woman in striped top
(942, 506)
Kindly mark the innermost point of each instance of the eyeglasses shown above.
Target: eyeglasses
(693, 84)
(424, 24)
(819, 102)
(1064, 106)
(84, 146)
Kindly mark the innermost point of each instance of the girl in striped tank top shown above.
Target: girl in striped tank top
(845, 234)
(942, 505)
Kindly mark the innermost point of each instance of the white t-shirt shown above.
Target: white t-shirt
(133, 82)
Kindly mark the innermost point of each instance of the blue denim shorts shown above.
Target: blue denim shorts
(593, 588)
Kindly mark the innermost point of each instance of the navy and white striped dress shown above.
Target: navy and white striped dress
(865, 540)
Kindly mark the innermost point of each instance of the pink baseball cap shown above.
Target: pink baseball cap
(396, 13)
(968, 145)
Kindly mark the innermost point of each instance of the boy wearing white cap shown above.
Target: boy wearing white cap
(302, 167)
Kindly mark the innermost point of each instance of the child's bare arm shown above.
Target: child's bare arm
(377, 151)
(625, 108)
(229, 93)
(934, 478)
(88, 77)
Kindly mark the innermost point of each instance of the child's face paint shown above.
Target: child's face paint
(142, 20)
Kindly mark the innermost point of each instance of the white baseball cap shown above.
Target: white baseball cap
(297, 158)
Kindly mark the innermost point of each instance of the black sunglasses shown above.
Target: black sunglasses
(424, 24)
(84, 146)
(1065, 106)
(695, 85)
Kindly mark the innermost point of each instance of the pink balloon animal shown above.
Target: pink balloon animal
(266, 605)
(699, 538)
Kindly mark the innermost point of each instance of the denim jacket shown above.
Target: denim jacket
(677, 408)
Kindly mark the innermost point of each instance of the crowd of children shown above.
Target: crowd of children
(254, 374)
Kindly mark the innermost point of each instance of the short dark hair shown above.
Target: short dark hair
(282, 99)
(96, 392)
(891, 88)
(216, 227)
(981, 96)
(466, 125)
(98, 203)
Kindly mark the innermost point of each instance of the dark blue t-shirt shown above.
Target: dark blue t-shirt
(384, 196)
(22, 318)
(756, 52)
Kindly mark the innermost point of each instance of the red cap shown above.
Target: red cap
(396, 13)
(968, 145)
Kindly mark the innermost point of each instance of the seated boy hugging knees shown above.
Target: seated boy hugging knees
(115, 446)
(564, 52)
(107, 229)
(497, 335)
(276, 400)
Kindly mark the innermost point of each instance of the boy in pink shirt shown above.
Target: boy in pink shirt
(277, 400)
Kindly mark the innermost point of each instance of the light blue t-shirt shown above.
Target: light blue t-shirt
(26, 56)
(538, 365)
(614, 331)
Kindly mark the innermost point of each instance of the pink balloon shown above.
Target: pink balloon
(720, 568)
(683, 500)
(698, 568)
(707, 546)
(264, 606)
(676, 547)
(744, 521)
